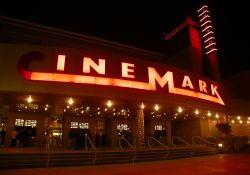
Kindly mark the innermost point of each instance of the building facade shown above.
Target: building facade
(72, 90)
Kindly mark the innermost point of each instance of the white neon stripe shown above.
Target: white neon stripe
(205, 11)
(211, 32)
(206, 23)
(211, 50)
(207, 27)
(206, 16)
(204, 6)
(209, 39)
(210, 45)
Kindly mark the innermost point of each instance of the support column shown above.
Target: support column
(57, 113)
(140, 129)
(169, 133)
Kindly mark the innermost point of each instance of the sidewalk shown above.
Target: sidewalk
(222, 164)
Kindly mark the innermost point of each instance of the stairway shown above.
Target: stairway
(89, 158)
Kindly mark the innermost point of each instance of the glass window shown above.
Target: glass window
(122, 127)
(158, 127)
(84, 125)
(74, 125)
(19, 122)
(32, 123)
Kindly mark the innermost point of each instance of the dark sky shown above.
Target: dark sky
(145, 23)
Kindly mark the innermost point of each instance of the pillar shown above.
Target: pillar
(57, 113)
(169, 133)
(140, 129)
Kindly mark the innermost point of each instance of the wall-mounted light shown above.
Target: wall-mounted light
(157, 107)
(109, 103)
(70, 101)
(29, 99)
(142, 106)
(179, 109)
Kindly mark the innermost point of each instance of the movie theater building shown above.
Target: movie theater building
(60, 85)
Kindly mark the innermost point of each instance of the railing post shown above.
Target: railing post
(47, 149)
(85, 141)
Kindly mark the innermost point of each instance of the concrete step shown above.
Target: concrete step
(88, 158)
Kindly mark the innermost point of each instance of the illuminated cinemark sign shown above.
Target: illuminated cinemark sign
(187, 86)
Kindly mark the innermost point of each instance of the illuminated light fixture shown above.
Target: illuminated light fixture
(217, 116)
(220, 145)
(179, 109)
(156, 107)
(109, 103)
(70, 101)
(68, 106)
(238, 117)
(45, 109)
(232, 121)
(29, 99)
(142, 106)
(87, 108)
(248, 118)
(196, 111)
(248, 122)
(64, 110)
(208, 113)
(240, 121)
(82, 112)
(47, 105)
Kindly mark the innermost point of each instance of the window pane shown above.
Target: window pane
(19, 122)
(84, 125)
(74, 125)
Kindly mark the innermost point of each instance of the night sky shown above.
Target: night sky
(145, 23)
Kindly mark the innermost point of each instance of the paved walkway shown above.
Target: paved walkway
(221, 164)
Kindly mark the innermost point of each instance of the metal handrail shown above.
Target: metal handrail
(180, 139)
(154, 139)
(48, 150)
(165, 148)
(123, 138)
(87, 138)
(203, 140)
